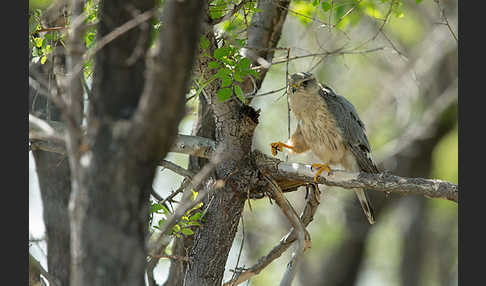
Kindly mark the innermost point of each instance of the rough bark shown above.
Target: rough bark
(119, 100)
(55, 184)
(264, 33)
(233, 133)
(53, 169)
(113, 178)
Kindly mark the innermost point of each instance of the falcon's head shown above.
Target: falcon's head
(303, 83)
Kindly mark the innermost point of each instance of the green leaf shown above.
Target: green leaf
(43, 59)
(240, 42)
(213, 65)
(165, 210)
(243, 64)
(418, 1)
(222, 72)
(325, 6)
(176, 228)
(219, 53)
(38, 42)
(226, 81)
(224, 94)
(204, 42)
(193, 223)
(155, 207)
(195, 217)
(194, 195)
(187, 231)
(239, 93)
(315, 3)
(237, 76)
(254, 73)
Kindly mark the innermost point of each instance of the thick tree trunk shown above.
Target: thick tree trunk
(53, 169)
(134, 120)
(55, 185)
(234, 125)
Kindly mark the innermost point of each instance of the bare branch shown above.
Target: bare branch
(76, 49)
(446, 22)
(336, 52)
(194, 145)
(56, 99)
(158, 244)
(172, 257)
(306, 217)
(266, 93)
(176, 169)
(40, 129)
(303, 239)
(264, 34)
(346, 14)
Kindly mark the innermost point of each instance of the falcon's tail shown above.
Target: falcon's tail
(366, 205)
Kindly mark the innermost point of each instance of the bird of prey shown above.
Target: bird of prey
(329, 125)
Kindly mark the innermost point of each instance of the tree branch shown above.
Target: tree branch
(303, 238)
(306, 217)
(299, 174)
(40, 129)
(176, 169)
(383, 182)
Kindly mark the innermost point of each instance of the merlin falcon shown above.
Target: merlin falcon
(329, 125)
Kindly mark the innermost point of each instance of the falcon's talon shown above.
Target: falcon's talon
(278, 146)
(321, 168)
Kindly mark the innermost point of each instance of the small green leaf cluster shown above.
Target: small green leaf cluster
(41, 43)
(91, 11)
(188, 222)
(231, 67)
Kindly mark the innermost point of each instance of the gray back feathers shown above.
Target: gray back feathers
(351, 126)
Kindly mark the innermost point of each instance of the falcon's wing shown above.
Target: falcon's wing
(353, 129)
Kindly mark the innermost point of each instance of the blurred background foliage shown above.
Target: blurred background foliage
(396, 61)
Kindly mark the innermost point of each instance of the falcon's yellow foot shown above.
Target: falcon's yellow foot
(278, 146)
(320, 168)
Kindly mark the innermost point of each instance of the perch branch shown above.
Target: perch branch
(302, 174)
(383, 182)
